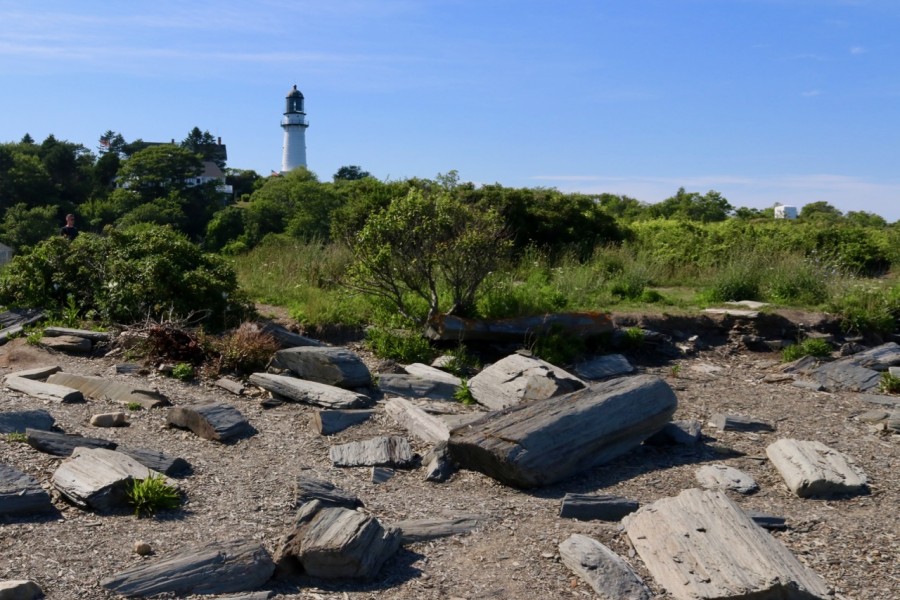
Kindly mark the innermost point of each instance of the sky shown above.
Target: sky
(764, 101)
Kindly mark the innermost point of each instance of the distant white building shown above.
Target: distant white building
(294, 123)
(6, 254)
(785, 212)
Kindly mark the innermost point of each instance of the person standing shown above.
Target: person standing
(69, 231)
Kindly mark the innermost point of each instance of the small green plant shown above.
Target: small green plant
(816, 347)
(70, 312)
(34, 335)
(558, 347)
(633, 338)
(183, 371)
(16, 437)
(463, 394)
(674, 371)
(462, 363)
(889, 383)
(134, 406)
(399, 344)
(152, 494)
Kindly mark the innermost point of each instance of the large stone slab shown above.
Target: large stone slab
(309, 392)
(860, 372)
(416, 421)
(156, 460)
(393, 451)
(810, 468)
(21, 494)
(701, 545)
(215, 568)
(43, 390)
(98, 478)
(211, 421)
(543, 442)
(611, 365)
(94, 336)
(329, 422)
(37, 373)
(519, 378)
(329, 365)
(723, 477)
(602, 569)
(63, 444)
(67, 343)
(413, 386)
(113, 390)
(287, 338)
(428, 372)
(336, 543)
(18, 421)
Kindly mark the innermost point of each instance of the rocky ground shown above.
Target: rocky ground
(244, 490)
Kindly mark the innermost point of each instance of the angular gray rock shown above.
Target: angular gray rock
(382, 474)
(215, 568)
(602, 569)
(37, 373)
(325, 364)
(156, 461)
(67, 343)
(393, 451)
(98, 478)
(677, 433)
(287, 338)
(422, 530)
(20, 589)
(414, 386)
(416, 421)
(63, 444)
(329, 422)
(588, 507)
(725, 422)
(114, 390)
(439, 467)
(723, 477)
(543, 442)
(211, 421)
(94, 336)
(430, 372)
(700, 544)
(860, 372)
(309, 392)
(810, 468)
(43, 390)
(336, 543)
(19, 420)
(519, 378)
(21, 494)
(309, 488)
(611, 365)
(116, 419)
(229, 385)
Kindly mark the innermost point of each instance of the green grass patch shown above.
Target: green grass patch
(889, 383)
(463, 394)
(152, 495)
(16, 437)
(816, 347)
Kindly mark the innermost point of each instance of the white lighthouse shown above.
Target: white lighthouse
(294, 124)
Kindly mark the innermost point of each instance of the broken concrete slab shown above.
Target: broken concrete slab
(325, 364)
(723, 477)
(810, 468)
(601, 367)
(700, 544)
(211, 420)
(21, 494)
(309, 392)
(43, 390)
(393, 451)
(215, 568)
(588, 507)
(517, 378)
(112, 390)
(329, 422)
(539, 443)
(602, 569)
(19, 420)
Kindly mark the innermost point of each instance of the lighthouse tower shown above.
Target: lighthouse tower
(294, 124)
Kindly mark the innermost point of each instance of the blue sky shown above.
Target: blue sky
(765, 101)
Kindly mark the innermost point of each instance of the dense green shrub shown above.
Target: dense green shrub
(141, 272)
(868, 308)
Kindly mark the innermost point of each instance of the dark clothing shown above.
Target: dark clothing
(69, 232)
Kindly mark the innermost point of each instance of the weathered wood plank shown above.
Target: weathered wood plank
(700, 544)
(328, 422)
(215, 568)
(113, 390)
(63, 444)
(539, 443)
(602, 569)
(325, 364)
(588, 507)
(310, 392)
(211, 421)
(416, 421)
(810, 468)
(393, 451)
(43, 390)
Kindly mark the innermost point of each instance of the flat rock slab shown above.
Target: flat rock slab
(677, 433)
(309, 392)
(329, 365)
(337, 543)
(329, 422)
(94, 336)
(701, 545)
(723, 477)
(810, 468)
(414, 386)
(429, 372)
(611, 365)
(733, 312)
(113, 390)
(216, 568)
(63, 444)
(725, 422)
(588, 507)
(229, 385)
(287, 338)
(889, 401)
(393, 451)
(21, 494)
(416, 421)
(602, 569)
(19, 420)
(211, 421)
(517, 378)
(67, 343)
(860, 372)
(156, 460)
(539, 443)
(20, 589)
(37, 373)
(422, 530)
(576, 324)
(97, 478)
(308, 489)
(43, 390)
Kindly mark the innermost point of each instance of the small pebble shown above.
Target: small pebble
(142, 548)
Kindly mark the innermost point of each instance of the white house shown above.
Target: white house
(785, 212)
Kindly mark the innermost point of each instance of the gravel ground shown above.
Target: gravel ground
(245, 491)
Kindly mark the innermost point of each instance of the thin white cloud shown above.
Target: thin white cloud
(856, 50)
(811, 93)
